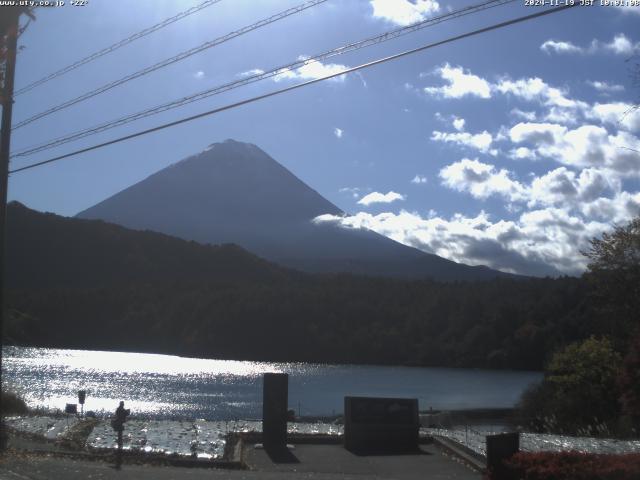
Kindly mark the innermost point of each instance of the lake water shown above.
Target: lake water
(162, 386)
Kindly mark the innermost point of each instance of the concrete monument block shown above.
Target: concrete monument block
(381, 424)
(274, 409)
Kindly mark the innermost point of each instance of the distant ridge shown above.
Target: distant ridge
(45, 250)
(234, 192)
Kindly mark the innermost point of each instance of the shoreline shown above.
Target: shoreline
(276, 360)
(474, 415)
(211, 442)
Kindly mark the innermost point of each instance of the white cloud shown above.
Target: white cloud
(458, 123)
(588, 145)
(522, 153)
(460, 84)
(198, 75)
(403, 12)
(567, 116)
(556, 212)
(593, 183)
(617, 114)
(568, 209)
(311, 71)
(353, 191)
(554, 187)
(419, 179)
(593, 192)
(537, 89)
(479, 141)
(606, 87)
(585, 146)
(338, 132)
(558, 187)
(529, 116)
(560, 47)
(559, 107)
(618, 209)
(481, 180)
(541, 242)
(619, 45)
(252, 72)
(539, 134)
(377, 197)
(562, 187)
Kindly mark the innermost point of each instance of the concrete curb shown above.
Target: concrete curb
(473, 459)
(300, 438)
(141, 458)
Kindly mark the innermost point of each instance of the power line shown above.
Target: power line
(117, 45)
(259, 76)
(170, 61)
(300, 85)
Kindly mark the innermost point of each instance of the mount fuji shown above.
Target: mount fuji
(234, 192)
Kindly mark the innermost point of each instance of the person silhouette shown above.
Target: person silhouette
(118, 425)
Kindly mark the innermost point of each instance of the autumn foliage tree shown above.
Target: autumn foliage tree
(614, 273)
(588, 384)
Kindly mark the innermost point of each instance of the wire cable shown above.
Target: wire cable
(300, 85)
(259, 76)
(170, 61)
(117, 45)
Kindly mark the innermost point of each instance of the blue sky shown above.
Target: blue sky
(509, 149)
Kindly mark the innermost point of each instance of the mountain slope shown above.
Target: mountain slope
(234, 192)
(49, 251)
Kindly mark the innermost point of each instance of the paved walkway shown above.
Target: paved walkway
(336, 462)
(319, 462)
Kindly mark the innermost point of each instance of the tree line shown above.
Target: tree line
(592, 386)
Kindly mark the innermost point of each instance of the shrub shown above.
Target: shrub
(570, 466)
(535, 410)
(13, 404)
(579, 394)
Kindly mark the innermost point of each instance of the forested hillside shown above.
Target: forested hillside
(87, 284)
(49, 251)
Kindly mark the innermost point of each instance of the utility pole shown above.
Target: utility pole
(11, 34)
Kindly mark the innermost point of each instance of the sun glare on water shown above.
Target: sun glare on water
(143, 363)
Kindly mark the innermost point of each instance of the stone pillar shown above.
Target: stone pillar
(274, 409)
(499, 448)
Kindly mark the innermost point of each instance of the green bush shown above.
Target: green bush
(579, 394)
